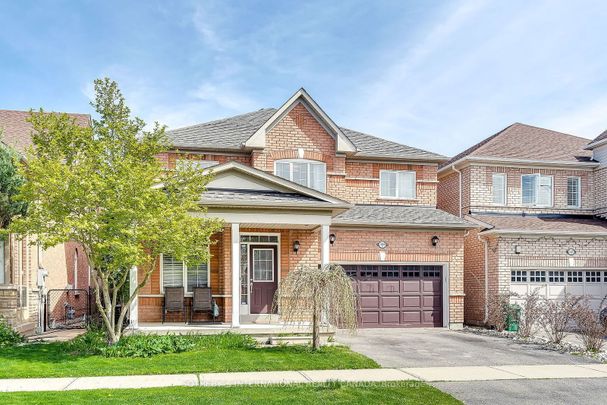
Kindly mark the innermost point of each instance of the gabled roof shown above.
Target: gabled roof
(521, 142)
(17, 131)
(540, 224)
(400, 216)
(265, 189)
(599, 140)
(245, 131)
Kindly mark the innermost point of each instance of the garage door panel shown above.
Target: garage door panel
(398, 295)
(412, 302)
(520, 289)
(390, 318)
(388, 287)
(555, 291)
(369, 302)
(366, 286)
(593, 289)
(390, 302)
(411, 286)
(575, 289)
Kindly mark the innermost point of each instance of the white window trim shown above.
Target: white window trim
(385, 197)
(579, 192)
(273, 264)
(185, 276)
(505, 189)
(537, 190)
(307, 161)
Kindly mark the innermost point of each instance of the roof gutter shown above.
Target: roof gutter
(507, 161)
(588, 234)
(401, 225)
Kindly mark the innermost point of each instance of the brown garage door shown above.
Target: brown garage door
(398, 295)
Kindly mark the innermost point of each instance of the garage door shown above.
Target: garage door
(554, 284)
(398, 295)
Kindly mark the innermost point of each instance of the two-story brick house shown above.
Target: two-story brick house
(296, 189)
(534, 194)
(22, 262)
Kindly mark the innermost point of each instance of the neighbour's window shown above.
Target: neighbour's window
(537, 190)
(499, 188)
(307, 173)
(537, 276)
(556, 276)
(573, 192)
(201, 164)
(176, 273)
(518, 276)
(2, 280)
(397, 184)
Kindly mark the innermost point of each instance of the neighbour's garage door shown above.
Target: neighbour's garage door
(554, 284)
(398, 295)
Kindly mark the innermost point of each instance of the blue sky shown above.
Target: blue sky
(433, 74)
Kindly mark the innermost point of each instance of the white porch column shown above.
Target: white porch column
(134, 309)
(235, 275)
(324, 245)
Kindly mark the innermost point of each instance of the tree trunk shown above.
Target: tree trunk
(315, 325)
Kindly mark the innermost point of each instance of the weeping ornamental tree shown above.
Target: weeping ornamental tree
(323, 294)
(103, 187)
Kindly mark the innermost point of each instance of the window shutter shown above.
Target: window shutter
(318, 177)
(529, 184)
(282, 170)
(499, 188)
(545, 191)
(172, 272)
(198, 276)
(406, 185)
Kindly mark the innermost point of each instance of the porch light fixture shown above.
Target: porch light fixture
(435, 240)
(517, 249)
(296, 246)
(332, 238)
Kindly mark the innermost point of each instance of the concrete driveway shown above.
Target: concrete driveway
(440, 347)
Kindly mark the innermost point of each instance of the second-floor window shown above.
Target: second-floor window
(499, 188)
(573, 192)
(201, 164)
(308, 173)
(536, 190)
(397, 184)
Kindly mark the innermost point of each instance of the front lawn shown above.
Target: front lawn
(410, 392)
(219, 353)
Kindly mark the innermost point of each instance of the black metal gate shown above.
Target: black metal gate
(67, 309)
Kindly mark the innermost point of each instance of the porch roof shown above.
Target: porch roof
(566, 225)
(240, 197)
(399, 216)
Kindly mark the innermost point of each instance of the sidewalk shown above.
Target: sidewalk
(427, 374)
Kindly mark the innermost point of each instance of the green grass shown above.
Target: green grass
(334, 393)
(211, 354)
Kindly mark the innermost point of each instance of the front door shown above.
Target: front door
(264, 277)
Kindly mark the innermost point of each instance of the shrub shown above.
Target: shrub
(149, 345)
(498, 310)
(556, 316)
(592, 329)
(531, 312)
(92, 342)
(8, 335)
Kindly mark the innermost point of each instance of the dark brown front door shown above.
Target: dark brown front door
(398, 295)
(264, 277)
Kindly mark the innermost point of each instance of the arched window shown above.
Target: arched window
(309, 173)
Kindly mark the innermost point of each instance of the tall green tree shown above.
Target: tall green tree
(10, 181)
(103, 187)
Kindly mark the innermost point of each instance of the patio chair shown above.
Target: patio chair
(173, 301)
(202, 302)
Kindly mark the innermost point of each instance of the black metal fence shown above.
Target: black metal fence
(67, 309)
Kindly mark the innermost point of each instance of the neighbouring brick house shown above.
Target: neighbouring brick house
(22, 263)
(537, 196)
(294, 188)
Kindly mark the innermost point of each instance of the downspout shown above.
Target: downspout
(459, 188)
(486, 270)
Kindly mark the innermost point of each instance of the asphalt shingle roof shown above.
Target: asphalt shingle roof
(249, 196)
(231, 133)
(17, 131)
(526, 142)
(554, 224)
(399, 215)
